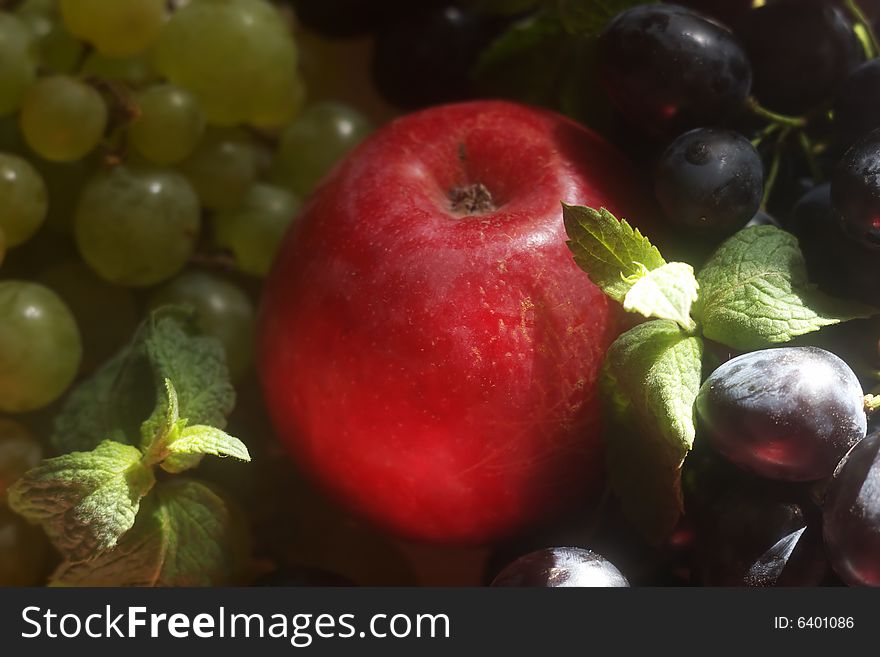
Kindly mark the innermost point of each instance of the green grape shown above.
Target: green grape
(169, 126)
(40, 346)
(283, 100)
(135, 70)
(137, 227)
(253, 230)
(24, 200)
(24, 551)
(62, 119)
(314, 142)
(18, 62)
(106, 314)
(2, 246)
(19, 452)
(234, 84)
(222, 168)
(115, 27)
(59, 51)
(222, 310)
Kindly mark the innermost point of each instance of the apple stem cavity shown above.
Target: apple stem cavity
(472, 200)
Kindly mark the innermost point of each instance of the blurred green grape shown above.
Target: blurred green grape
(240, 83)
(18, 62)
(19, 452)
(107, 315)
(169, 125)
(137, 227)
(59, 51)
(62, 119)
(314, 142)
(23, 199)
(222, 168)
(115, 27)
(222, 309)
(40, 346)
(254, 229)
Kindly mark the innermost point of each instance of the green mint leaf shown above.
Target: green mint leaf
(84, 500)
(650, 381)
(185, 535)
(198, 441)
(667, 292)
(83, 422)
(196, 365)
(754, 292)
(612, 253)
(589, 17)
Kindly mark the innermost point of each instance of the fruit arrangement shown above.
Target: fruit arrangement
(476, 292)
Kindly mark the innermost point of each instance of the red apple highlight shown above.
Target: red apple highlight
(429, 350)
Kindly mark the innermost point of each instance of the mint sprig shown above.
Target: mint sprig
(755, 293)
(186, 534)
(163, 400)
(751, 294)
(651, 376)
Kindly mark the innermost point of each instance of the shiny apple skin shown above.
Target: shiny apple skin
(437, 372)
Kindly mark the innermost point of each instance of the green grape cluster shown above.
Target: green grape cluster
(151, 152)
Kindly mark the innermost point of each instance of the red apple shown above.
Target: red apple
(429, 350)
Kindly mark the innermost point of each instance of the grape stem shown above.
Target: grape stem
(807, 147)
(872, 403)
(782, 119)
(859, 16)
(774, 166)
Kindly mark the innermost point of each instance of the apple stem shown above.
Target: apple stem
(472, 199)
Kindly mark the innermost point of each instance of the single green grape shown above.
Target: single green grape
(169, 126)
(254, 229)
(115, 27)
(106, 314)
(137, 227)
(18, 62)
(24, 551)
(24, 200)
(222, 168)
(282, 101)
(62, 119)
(236, 83)
(19, 452)
(40, 346)
(135, 70)
(314, 142)
(223, 310)
(59, 51)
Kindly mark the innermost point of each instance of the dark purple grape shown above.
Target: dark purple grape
(427, 58)
(710, 181)
(667, 68)
(761, 536)
(727, 11)
(855, 190)
(852, 515)
(800, 52)
(561, 567)
(789, 413)
(857, 104)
